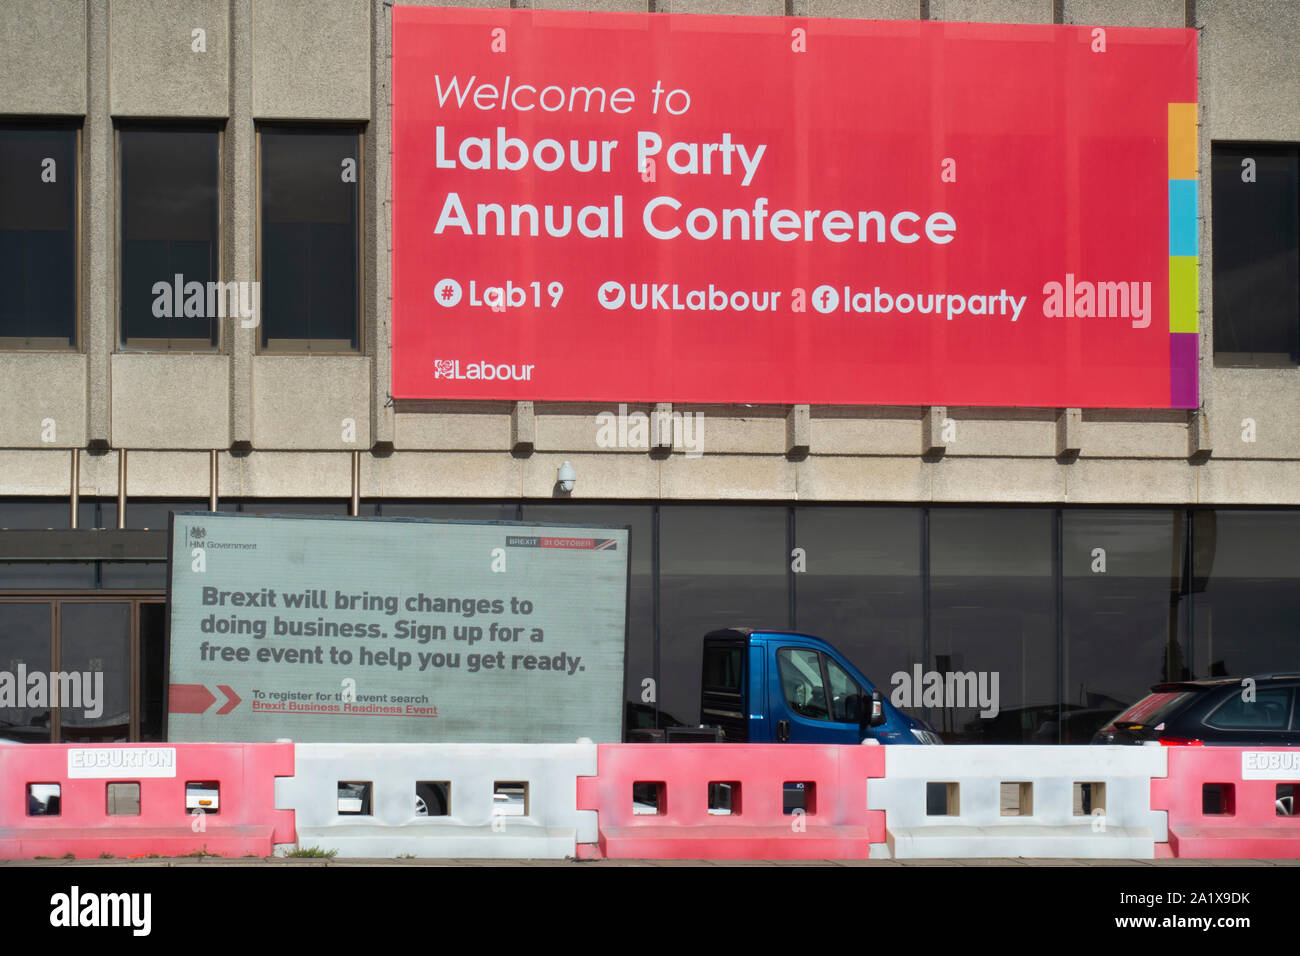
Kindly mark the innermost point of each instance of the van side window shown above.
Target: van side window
(846, 695)
(801, 682)
(723, 668)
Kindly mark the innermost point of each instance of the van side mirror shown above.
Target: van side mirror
(877, 709)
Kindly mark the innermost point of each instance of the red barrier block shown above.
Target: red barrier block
(836, 825)
(1248, 824)
(246, 822)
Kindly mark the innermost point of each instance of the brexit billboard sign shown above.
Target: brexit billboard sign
(659, 207)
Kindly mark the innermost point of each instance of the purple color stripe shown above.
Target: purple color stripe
(1183, 368)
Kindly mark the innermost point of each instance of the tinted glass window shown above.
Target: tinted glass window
(153, 678)
(993, 612)
(310, 249)
(1269, 710)
(1256, 217)
(25, 640)
(1122, 588)
(38, 244)
(96, 640)
(719, 566)
(723, 668)
(860, 587)
(170, 242)
(801, 682)
(1247, 597)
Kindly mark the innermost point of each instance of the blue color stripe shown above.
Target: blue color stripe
(1182, 217)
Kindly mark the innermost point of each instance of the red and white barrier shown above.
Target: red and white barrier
(856, 800)
(1248, 820)
(245, 821)
(835, 823)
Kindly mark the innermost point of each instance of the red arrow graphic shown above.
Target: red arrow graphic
(189, 698)
(232, 700)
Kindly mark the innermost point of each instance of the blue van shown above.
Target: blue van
(783, 687)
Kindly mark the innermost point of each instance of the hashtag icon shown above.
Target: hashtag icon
(447, 292)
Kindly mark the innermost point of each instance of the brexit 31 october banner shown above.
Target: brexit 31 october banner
(660, 207)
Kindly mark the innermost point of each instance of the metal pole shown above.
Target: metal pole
(356, 483)
(212, 480)
(75, 499)
(121, 489)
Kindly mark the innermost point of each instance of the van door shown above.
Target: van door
(812, 700)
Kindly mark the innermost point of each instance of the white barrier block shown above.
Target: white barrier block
(474, 826)
(1128, 828)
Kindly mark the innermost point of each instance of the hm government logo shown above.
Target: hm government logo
(482, 371)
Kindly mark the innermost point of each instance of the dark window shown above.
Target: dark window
(153, 677)
(169, 292)
(1269, 710)
(310, 249)
(26, 631)
(860, 587)
(993, 614)
(719, 566)
(1247, 594)
(38, 239)
(723, 667)
(1123, 606)
(1256, 254)
(96, 640)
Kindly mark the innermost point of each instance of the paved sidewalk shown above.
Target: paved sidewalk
(317, 862)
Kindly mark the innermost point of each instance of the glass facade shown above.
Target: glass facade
(1075, 611)
(992, 611)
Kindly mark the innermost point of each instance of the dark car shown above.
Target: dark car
(1258, 711)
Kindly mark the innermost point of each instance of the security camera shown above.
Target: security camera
(566, 476)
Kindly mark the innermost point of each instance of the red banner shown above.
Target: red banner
(657, 207)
